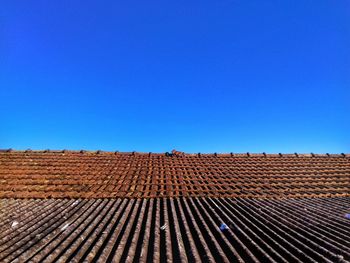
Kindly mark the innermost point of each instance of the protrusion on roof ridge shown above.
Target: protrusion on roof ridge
(149, 154)
(116, 152)
(28, 150)
(264, 153)
(312, 154)
(177, 153)
(248, 154)
(280, 154)
(296, 154)
(47, 151)
(82, 151)
(98, 152)
(215, 154)
(343, 154)
(199, 154)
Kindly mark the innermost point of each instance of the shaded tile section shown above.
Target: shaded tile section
(175, 230)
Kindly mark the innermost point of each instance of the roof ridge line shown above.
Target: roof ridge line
(231, 154)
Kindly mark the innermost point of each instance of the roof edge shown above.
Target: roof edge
(248, 154)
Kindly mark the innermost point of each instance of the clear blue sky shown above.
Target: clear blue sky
(198, 76)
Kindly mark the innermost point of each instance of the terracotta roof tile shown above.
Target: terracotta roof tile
(84, 174)
(175, 207)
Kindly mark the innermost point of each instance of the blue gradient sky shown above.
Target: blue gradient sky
(198, 76)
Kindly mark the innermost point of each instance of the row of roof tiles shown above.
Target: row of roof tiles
(180, 154)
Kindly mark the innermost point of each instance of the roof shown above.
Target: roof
(74, 206)
(175, 229)
(69, 174)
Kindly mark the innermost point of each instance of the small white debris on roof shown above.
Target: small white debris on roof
(14, 224)
(65, 227)
(163, 227)
(75, 203)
